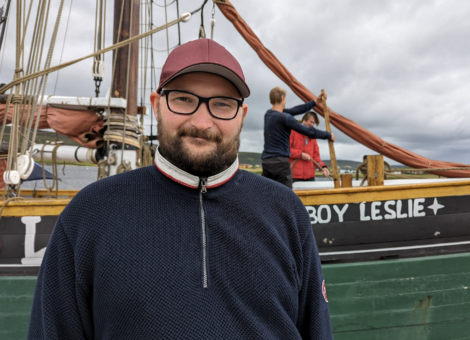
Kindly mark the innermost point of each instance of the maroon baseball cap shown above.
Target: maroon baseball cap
(203, 55)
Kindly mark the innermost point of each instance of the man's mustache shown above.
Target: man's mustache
(196, 133)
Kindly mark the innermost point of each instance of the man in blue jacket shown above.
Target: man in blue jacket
(278, 123)
(191, 247)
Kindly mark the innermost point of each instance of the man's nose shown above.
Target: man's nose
(202, 119)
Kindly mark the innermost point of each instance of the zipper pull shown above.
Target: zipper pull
(203, 184)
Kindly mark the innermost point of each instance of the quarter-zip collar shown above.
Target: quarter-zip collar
(191, 181)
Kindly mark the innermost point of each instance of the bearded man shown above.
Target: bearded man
(191, 248)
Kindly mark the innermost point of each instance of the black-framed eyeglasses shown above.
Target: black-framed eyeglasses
(186, 103)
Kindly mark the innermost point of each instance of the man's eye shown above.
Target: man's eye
(221, 104)
(183, 99)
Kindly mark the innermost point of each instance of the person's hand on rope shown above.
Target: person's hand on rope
(319, 98)
(305, 156)
(332, 137)
(326, 172)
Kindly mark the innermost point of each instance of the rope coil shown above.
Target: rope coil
(17, 99)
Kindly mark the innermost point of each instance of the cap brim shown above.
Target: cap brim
(219, 70)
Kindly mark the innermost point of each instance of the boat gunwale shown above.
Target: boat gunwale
(308, 192)
(383, 193)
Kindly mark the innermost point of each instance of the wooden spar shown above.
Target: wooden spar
(120, 82)
(375, 170)
(334, 165)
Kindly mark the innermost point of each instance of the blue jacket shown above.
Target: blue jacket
(277, 128)
(145, 255)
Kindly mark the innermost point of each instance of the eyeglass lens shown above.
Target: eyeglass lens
(186, 103)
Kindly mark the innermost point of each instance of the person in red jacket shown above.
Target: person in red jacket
(303, 149)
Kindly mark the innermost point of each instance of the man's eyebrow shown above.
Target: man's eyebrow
(217, 95)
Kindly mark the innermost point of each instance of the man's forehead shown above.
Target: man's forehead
(202, 81)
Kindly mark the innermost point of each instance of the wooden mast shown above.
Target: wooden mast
(124, 61)
(334, 164)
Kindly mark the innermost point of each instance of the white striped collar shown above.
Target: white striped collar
(191, 181)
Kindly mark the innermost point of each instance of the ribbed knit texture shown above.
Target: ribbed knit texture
(125, 262)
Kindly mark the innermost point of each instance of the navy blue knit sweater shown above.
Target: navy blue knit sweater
(125, 261)
(277, 128)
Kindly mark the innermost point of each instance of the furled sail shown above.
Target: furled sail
(82, 126)
(347, 126)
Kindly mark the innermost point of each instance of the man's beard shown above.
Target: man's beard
(210, 163)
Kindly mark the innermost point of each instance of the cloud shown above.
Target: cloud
(399, 68)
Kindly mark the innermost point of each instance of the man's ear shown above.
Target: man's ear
(155, 100)
(245, 111)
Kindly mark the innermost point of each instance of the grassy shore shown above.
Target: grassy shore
(318, 174)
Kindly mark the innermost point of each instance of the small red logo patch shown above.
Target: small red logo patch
(323, 289)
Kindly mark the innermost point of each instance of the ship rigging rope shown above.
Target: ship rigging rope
(165, 5)
(15, 98)
(167, 38)
(5, 44)
(34, 61)
(44, 79)
(107, 49)
(99, 43)
(213, 21)
(55, 177)
(25, 115)
(100, 27)
(63, 45)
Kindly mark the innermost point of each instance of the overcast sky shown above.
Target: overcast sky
(399, 68)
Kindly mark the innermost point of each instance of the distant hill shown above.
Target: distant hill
(254, 158)
(343, 163)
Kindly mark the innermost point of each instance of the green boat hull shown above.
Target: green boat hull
(418, 298)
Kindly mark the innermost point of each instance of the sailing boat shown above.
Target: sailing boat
(353, 226)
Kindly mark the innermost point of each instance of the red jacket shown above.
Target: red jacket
(298, 144)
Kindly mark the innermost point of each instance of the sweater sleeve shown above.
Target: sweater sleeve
(60, 309)
(311, 132)
(313, 318)
(300, 109)
(295, 150)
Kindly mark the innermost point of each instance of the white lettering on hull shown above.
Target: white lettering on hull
(31, 257)
(340, 212)
(393, 209)
(362, 208)
(320, 214)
